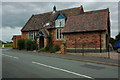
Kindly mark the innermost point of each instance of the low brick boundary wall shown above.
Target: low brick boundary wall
(62, 49)
(111, 55)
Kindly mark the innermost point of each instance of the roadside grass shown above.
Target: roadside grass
(0, 45)
(8, 45)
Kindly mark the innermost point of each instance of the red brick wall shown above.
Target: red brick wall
(58, 42)
(15, 39)
(86, 40)
(14, 43)
(45, 42)
(24, 35)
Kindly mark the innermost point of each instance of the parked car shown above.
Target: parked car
(117, 46)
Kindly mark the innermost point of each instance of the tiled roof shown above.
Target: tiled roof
(36, 22)
(89, 21)
(16, 36)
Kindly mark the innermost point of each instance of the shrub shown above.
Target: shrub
(50, 43)
(57, 47)
(34, 45)
(30, 44)
(42, 50)
(52, 50)
(64, 43)
(21, 44)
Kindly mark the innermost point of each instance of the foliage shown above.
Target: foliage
(50, 47)
(8, 45)
(27, 44)
(52, 50)
(42, 50)
(21, 44)
(34, 45)
(64, 43)
(0, 44)
(50, 43)
(112, 41)
(117, 38)
(56, 47)
(30, 44)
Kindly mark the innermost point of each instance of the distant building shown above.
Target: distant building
(78, 29)
(2, 44)
(15, 39)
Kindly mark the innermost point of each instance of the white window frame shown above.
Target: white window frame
(57, 23)
(32, 33)
(59, 29)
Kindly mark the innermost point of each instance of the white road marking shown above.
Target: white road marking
(10, 56)
(62, 70)
(90, 63)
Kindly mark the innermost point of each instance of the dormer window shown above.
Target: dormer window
(60, 23)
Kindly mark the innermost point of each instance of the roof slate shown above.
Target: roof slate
(77, 20)
(90, 21)
(36, 22)
(16, 36)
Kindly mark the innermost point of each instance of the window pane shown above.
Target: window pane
(63, 23)
(57, 34)
(57, 23)
(31, 35)
(60, 34)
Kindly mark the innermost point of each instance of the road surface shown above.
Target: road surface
(20, 65)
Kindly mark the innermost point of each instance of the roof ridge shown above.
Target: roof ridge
(56, 11)
(69, 9)
(97, 10)
(42, 13)
(90, 12)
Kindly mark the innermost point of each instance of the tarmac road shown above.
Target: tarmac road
(20, 65)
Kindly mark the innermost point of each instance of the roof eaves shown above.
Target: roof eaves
(95, 11)
(84, 31)
(26, 24)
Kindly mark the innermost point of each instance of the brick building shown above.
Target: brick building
(77, 28)
(15, 39)
(89, 31)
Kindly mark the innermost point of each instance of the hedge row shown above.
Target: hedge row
(27, 44)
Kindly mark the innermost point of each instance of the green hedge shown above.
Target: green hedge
(21, 44)
(30, 44)
(27, 44)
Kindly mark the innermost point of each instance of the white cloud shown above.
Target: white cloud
(60, 0)
(18, 13)
(8, 32)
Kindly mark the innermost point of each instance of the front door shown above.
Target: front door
(41, 42)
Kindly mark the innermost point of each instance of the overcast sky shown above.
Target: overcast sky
(16, 14)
